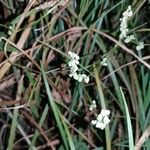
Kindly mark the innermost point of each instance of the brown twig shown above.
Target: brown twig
(143, 138)
(7, 82)
(125, 65)
(30, 136)
(9, 103)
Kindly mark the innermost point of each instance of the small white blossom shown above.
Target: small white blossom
(86, 79)
(129, 38)
(100, 125)
(73, 66)
(92, 106)
(73, 62)
(140, 46)
(106, 120)
(84, 76)
(74, 75)
(94, 122)
(102, 119)
(124, 33)
(73, 55)
(105, 112)
(80, 78)
(128, 13)
(104, 62)
(123, 26)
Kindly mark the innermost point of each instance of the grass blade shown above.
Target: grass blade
(129, 126)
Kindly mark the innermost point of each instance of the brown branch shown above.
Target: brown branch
(125, 65)
(143, 138)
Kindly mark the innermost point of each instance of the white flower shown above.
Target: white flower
(123, 26)
(94, 122)
(74, 68)
(74, 75)
(92, 106)
(73, 55)
(100, 125)
(73, 64)
(104, 62)
(128, 13)
(85, 78)
(124, 22)
(102, 119)
(129, 38)
(76, 56)
(80, 78)
(105, 112)
(140, 46)
(106, 120)
(124, 33)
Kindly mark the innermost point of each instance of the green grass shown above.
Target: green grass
(41, 107)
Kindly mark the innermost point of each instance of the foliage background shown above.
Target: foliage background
(41, 107)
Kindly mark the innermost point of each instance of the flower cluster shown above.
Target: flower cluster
(73, 64)
(125, 30)
(129, 38)
(124, 24)
(140, 46)
(102, 119)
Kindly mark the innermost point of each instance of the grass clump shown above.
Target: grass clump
(74, 75)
